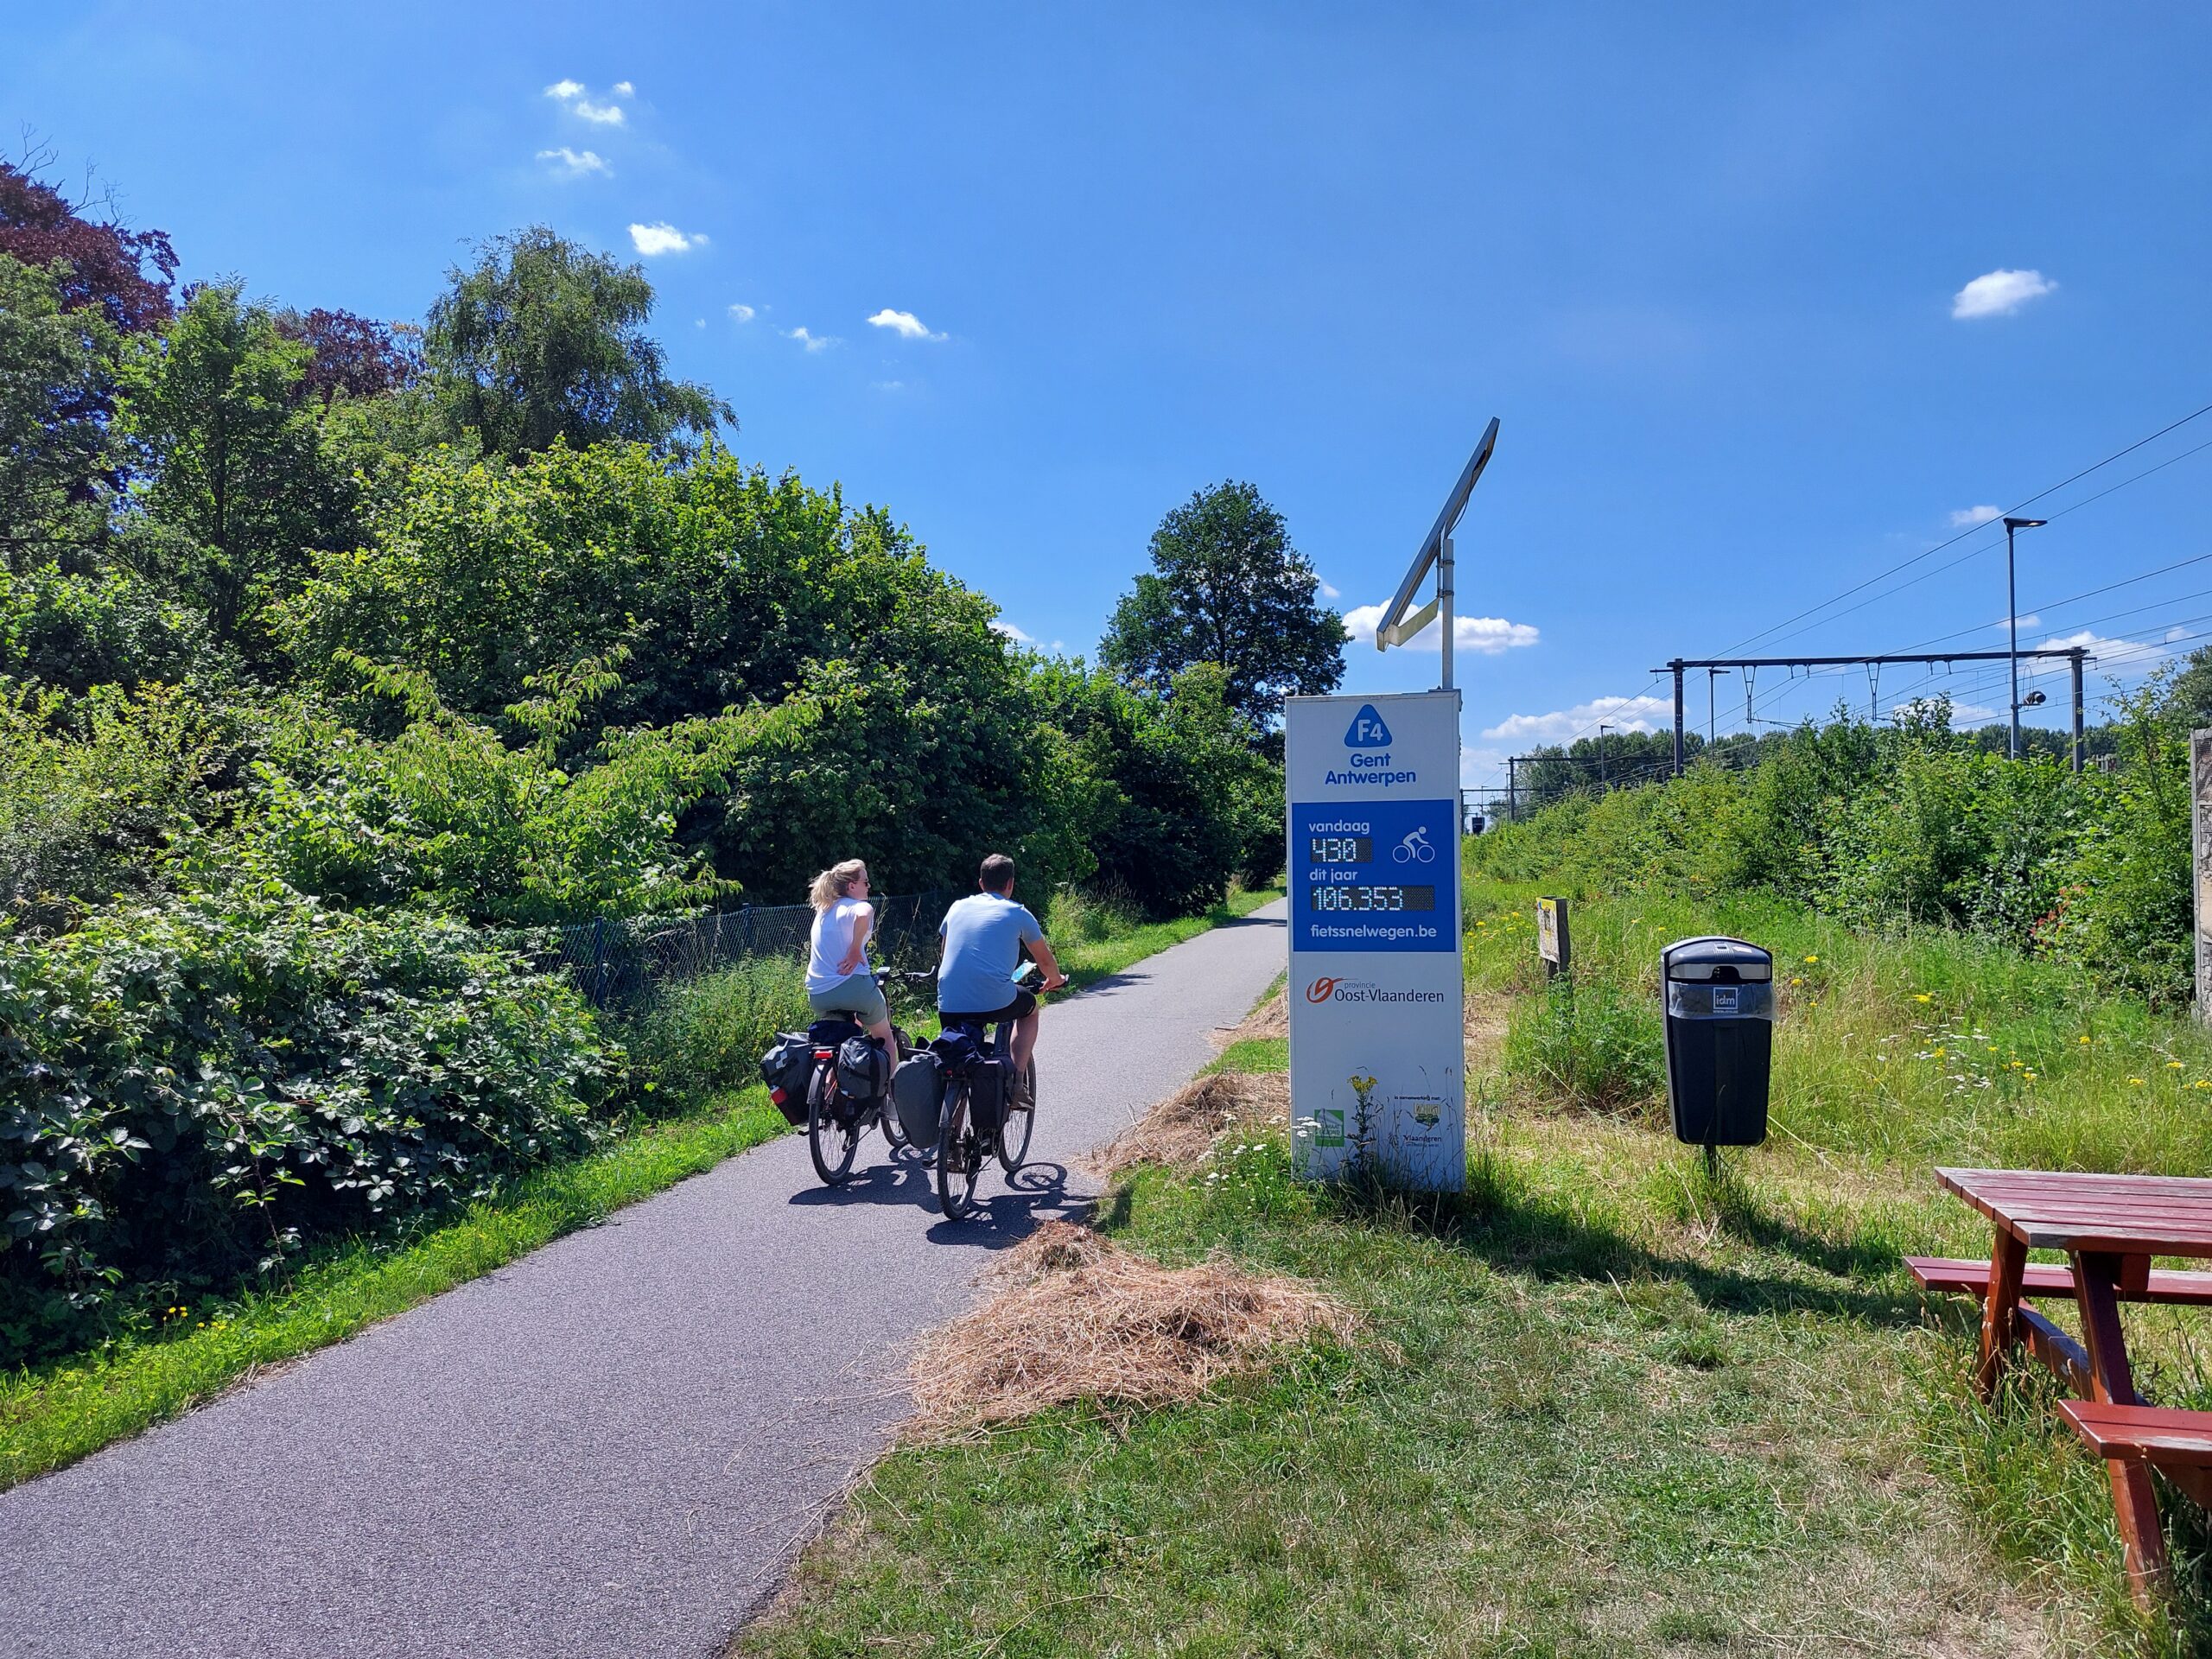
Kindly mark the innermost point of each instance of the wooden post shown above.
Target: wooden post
(2200, 826)
(1552, 941)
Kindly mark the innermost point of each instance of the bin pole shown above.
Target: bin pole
(2073, 659)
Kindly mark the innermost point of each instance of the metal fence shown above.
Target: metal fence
(617, 960)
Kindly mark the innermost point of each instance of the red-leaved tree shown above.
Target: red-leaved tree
(127, 274)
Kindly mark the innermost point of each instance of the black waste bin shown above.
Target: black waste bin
(1720, 997)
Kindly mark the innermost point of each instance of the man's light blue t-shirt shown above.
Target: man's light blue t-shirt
(984, 935)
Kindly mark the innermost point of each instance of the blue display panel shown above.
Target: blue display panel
(1373, 876)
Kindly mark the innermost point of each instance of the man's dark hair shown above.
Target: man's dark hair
(997, 872)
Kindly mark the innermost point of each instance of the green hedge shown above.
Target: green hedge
(192, 1087)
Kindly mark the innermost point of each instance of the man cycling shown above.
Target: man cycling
(983, 936)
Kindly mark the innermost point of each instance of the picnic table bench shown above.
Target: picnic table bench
(2109, 1226)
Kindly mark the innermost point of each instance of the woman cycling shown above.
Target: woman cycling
(837, 977)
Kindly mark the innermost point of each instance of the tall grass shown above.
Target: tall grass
(1084, 917)
(1586, 1046)
(1920, 1047)
(699, 1036)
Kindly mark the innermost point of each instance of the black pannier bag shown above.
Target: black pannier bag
(863, 1069)
(832, 1032)
(784, 1069)
(918, 1095)
(986, 1085)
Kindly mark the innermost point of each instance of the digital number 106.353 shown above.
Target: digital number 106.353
(1371, 898)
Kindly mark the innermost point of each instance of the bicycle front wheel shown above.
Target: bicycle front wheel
(1017, 1122)
(959, 1158)
(830, 1143)
(887, 1109)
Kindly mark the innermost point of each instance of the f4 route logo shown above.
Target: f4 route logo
(1367, 730)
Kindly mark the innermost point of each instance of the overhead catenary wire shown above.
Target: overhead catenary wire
(1991, 547)
(1974, 529)
(1965, 534)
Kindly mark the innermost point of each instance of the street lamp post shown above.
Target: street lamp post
(1602, 730)
(2012, 626)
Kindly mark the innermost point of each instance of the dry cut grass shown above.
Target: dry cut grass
(1081, 1318)
(1180, 1130)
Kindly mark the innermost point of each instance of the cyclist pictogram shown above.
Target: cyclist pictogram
(1414, 848)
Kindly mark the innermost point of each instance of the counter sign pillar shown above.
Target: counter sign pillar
(1376, 1063)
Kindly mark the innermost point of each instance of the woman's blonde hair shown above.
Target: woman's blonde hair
(829, 887)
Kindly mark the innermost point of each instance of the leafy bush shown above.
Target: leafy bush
(1913, 826)
(189, 1088)
(91, 790)
(447, 816)
(1588, 1046)
(696, 1036)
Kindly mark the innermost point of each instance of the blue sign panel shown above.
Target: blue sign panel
(1374, 875)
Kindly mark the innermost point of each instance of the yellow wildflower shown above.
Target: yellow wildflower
(1921, 997)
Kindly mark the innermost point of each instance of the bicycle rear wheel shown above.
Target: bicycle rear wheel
(830, 1143)
(1017, 1122)
(959, 1157)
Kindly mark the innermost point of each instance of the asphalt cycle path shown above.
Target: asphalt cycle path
(610, 1446)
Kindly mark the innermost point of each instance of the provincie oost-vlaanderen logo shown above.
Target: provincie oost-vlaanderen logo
(1330, 989)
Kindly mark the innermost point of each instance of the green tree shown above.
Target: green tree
(57, 366)
(235, 488)
(544, 341)
(725, 589)
(1227, 586)
(1175, 783)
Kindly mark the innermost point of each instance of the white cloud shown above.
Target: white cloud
(571, 92)
(1622, 714)
(905, 324)
(742, 313)
(812, 342)
(568, 163)
(663, 238)
(1012, 633)
(2117, 656)
(1966, 517)
(1487, 634)
(887, 385)
(1999, 294)
(2031, 621)
(1327, 592)
(624, 89)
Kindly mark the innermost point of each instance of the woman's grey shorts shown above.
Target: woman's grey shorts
(859, 996)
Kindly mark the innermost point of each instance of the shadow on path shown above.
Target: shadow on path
(1037, 1192)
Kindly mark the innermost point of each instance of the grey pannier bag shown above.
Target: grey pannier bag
(918, 1095)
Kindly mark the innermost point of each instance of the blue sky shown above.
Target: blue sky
(1714, 267)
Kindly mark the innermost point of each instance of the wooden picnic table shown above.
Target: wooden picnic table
(2110, 1226)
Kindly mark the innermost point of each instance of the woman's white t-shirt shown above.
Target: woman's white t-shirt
(832, 938)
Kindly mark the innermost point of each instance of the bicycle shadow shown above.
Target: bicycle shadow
(1035, 1193)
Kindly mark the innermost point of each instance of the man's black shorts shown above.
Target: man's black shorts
(1023, 1005)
